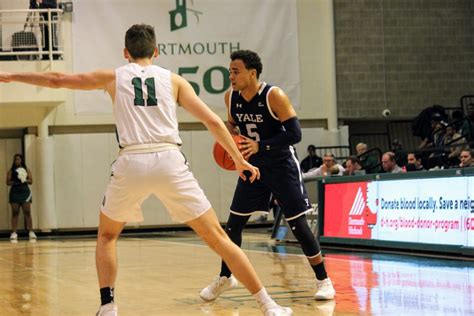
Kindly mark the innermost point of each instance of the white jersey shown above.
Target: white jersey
(144, 107)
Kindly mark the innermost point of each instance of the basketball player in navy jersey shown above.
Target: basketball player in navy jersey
(265, 116)
(145, 97)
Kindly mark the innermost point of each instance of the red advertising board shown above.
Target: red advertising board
(346, 211)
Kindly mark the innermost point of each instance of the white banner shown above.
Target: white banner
(424, 210)
(432, 211)
(195, 39)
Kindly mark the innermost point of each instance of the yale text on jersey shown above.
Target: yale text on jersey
(254, 118)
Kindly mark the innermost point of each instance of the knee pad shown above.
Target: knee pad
(234, 227)
(302, 232)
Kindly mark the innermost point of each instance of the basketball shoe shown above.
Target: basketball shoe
(107, 310)
(324, 290)
(273, 309)
(14, 238)
(32, 235)
(220, 284)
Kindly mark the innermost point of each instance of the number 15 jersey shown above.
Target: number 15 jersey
(144, 107)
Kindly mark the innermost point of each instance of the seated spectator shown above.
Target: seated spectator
(457, 120)
(466, 159)
(456, 144)
(439, 133)
(312, 160)
(353, 167)
(437, 157)
(369, 162)
(414, 162)
(389, 164)
(400, 153)
(428, 141)
(329, 167)
(422, 123)
(467, 126)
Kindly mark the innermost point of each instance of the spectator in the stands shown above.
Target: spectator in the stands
(389, 164)
(439, 133)
(45, 4)
(456, 144)
(436, 119)
(312, 160)
(369, 161)
(328, 168)
(353, 167)
(467, 127)
(400, 153)
(466, 159)
(414, 160)
(437, 157)
(457, 118)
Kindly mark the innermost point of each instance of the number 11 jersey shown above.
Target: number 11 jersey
(144, 106)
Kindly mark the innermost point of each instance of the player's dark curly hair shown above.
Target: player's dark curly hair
(250, 59)
(140, 41)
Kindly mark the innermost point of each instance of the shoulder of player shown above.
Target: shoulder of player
(106, 72)
(177, 79)
(276, 94)
(103, 76)
(277, 98)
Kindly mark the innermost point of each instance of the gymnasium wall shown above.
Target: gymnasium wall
(403, 55)
(318, 99)
(83, 146)
(82, 170)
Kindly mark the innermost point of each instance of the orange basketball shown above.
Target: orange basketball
(222, 158)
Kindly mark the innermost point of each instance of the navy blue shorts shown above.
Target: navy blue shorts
(283, 179)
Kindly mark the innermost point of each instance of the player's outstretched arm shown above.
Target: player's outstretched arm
(188, 99)
(100, 79)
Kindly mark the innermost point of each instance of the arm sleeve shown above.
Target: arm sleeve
(291, 135)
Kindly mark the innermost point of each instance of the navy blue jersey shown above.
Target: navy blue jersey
(256, 120)
(280, 172)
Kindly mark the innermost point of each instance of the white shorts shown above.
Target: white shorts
(165, 174)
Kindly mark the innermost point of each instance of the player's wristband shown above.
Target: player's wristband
(289, 136)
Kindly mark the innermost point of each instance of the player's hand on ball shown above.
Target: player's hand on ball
(247, 147)
(245, 166)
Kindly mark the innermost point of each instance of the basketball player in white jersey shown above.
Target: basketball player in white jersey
(150, 162)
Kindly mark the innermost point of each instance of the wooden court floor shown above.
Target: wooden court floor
(162, 274)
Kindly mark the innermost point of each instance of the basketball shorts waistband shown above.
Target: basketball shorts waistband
(147, 148)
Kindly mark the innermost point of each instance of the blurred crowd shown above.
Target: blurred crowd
(446, 141)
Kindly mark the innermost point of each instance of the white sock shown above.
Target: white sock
(262, 296)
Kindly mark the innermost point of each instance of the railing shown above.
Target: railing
(340, 152)
(373, 140)
(31, 34)
(467, 103)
